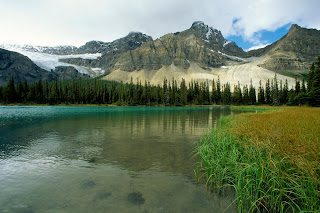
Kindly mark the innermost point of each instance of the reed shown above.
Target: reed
(271, 159)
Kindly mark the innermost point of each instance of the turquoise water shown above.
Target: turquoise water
(104, 159)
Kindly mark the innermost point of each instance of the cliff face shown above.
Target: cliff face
(200, 44)
(68, 72)
(169, 49)
(294, 53)
(22, 68)
(215, 40)
(207, 48)
(198, 53)
(130, 42)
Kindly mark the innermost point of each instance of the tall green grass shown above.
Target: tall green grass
(272, 168)
(260, 108)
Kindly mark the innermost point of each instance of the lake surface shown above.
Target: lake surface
(104, 159)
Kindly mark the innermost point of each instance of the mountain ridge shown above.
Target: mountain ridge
(200, 48)
(23, 69)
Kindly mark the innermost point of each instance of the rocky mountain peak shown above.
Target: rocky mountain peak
(129, 42)
(92, 47)
(295, 27)
(139, 35)
(134, 40)
(208, 33)
(215, 39)
(293, 53)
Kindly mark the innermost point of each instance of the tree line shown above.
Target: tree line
(97, 91)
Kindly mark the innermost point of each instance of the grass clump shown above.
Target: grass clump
(271, 159)
(260, 108)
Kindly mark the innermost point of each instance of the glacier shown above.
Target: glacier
(50, 62)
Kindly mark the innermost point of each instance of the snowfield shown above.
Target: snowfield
(242, 70)
(49, 62)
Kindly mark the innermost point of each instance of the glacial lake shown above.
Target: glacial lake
(104, 159)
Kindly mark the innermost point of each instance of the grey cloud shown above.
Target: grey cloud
(77, 21)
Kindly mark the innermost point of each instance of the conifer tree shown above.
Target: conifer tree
(245, 93)
(311, 76)
(303, 86)
(261, 98)
(268, 92)
(275, 91)
(183, 92)
(297, 86)
(237, 94)
(315, 88)
(284, 96)
(252, 94)
(218, 99)
(20, 92)
(10, 90)
(227, 94)
(213, 92)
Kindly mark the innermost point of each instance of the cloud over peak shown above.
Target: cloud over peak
(77, 21)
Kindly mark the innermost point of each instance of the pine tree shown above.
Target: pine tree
(25, 92)
(237, 94)
(245, 93)
(213, 92)
(303, 86)
(207, 93)
(39, 92)
(297, 86)
(20, 92)
(315, 88)
(268, 92)
(261, 98)
(227, 94)
(275, 91)
(284, 97)
(311, 76)
(183, 92)
(218, 99)
(11, 90)
(252, 94)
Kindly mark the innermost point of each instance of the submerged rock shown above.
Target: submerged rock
(136, 198)
(88, 184)
(104, 195)
(27, 209)
(92, 160)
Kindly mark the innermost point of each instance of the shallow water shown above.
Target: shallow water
(104, 159)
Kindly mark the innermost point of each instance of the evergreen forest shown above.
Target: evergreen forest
(97, 91)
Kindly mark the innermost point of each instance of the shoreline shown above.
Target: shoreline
(114, 105)
(270, 159)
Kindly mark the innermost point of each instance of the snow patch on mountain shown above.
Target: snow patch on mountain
(226, 42)
(234, 58)
(209, 33)
(50, 62)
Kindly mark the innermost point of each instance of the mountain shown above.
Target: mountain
(49, 58)
(216, 40)
(199, 53)
(200, 43)
(129, 42)
(202, 53)
(294, 53)
(22, 68)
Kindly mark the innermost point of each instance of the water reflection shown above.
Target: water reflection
(87, 159)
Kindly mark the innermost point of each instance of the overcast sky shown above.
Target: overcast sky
(74, 22)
